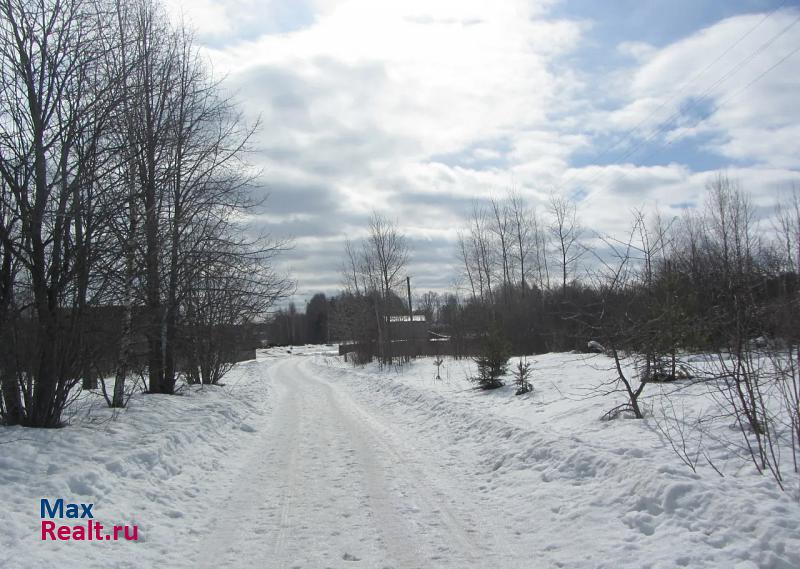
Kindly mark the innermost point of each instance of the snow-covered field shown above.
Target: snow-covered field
(302, 460)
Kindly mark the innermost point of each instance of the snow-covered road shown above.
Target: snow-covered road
(328, 482)
(303, 461)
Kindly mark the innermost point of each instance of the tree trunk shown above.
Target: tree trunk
(126, 343)
(43, 413)
(153, 289)
(9, 386)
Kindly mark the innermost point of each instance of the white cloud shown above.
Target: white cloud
(415, 108)
(707, 87)
(364, 101)
(468, 71)
(209, 19)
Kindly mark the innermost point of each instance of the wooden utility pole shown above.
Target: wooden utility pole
(410, 310)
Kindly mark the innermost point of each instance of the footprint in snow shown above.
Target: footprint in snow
(350, 557)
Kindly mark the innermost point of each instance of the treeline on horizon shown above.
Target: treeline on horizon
(122, 177)
(701, 281)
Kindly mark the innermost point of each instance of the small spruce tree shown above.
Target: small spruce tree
(522, 373)
(492, 361)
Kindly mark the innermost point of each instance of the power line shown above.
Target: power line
(705, 95)
(629, 133)
(745, 87)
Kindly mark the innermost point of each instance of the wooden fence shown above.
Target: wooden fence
(460, 348)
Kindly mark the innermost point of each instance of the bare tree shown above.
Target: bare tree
(566, 233)
(206, 183)
(352, 269)
(541, 247)
(483, 255)
(523, 227)
(731, 227)
(11, 408)
(787, 221)
(148, 136)
(430, 303)
(634, 318)
(617, 282)
(55, 108)
(744, 384)
(114, 139)
(501, 228)
(371, 276)
(467, 258)
(236, 284)
(386, 252)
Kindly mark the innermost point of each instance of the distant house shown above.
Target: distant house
(404, 328)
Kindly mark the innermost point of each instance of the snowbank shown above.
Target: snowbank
(585, 492)
(155, 464)
(545, 481)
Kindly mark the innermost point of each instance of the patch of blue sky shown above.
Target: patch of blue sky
(656, 23)
(292, 15)
(657, 143)
(273, 17)
(482, 155)
(694, 152)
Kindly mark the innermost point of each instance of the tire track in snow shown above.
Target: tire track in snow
(328, 483)
(432, 497)
(391, 495)
(241, 524)
(398, 537)
(218, 546)
(287, 418)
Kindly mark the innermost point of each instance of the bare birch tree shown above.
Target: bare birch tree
(522, 226)
(566, 233)
(55, 105)
(501, 228)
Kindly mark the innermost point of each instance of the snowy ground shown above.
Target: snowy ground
(304, 461)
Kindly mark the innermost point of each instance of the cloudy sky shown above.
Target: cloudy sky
(417, 108)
